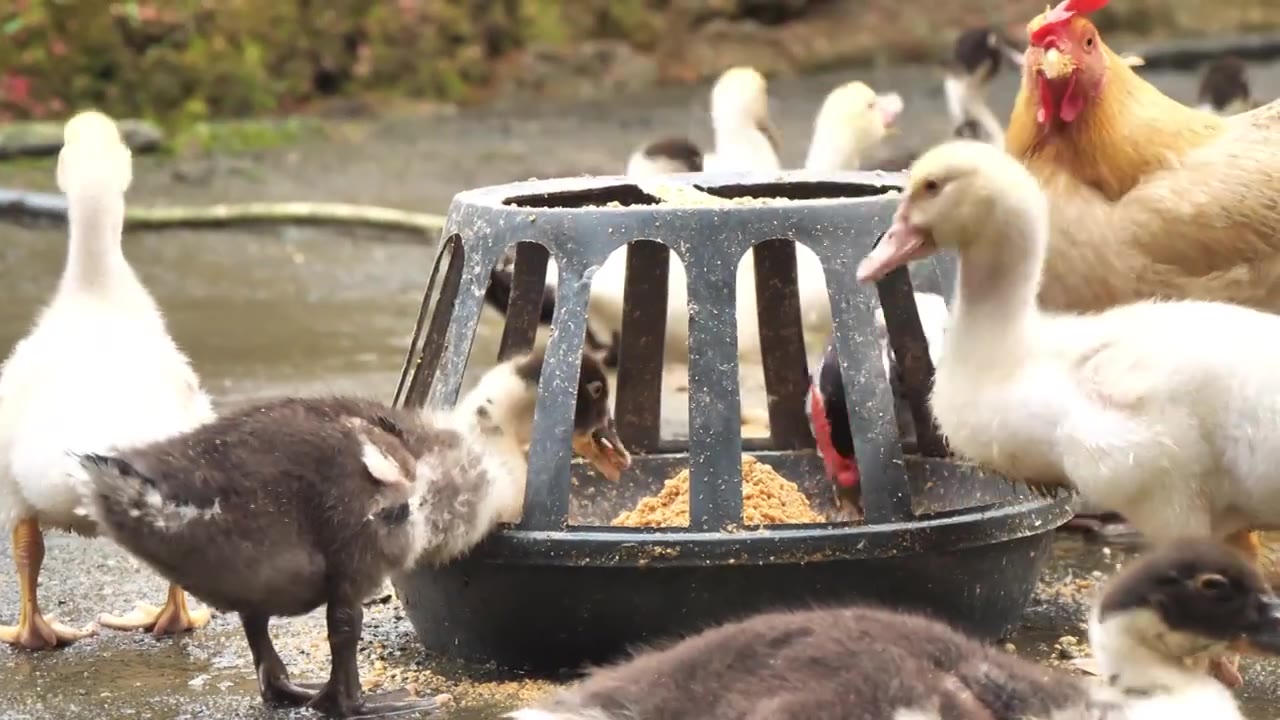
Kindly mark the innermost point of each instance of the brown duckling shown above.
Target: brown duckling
(287, 505)
(1161, 613)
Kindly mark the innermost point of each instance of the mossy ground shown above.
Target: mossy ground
(182, 62)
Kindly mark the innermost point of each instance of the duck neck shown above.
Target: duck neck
(95, 258)
(1137, 668)
(831, 150)
(995, 303)
(744, 141)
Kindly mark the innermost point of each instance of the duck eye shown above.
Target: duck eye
(930, 186)
(595, 387)
(1213, 583)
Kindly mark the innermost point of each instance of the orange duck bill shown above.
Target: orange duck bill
(901, 244)
(604, 449)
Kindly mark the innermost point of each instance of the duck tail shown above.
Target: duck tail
(119, 495)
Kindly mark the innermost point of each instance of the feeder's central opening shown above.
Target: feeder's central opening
(818, 190)
(679, 194)
(621, 195)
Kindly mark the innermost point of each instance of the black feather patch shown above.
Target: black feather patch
(389, 426)
(90, 461)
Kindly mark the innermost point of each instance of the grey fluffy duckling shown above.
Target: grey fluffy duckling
(284, 506)
(1152, 628)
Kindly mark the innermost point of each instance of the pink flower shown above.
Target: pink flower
(15, 88)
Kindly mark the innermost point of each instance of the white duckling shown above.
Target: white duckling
(98, 371)
(1161, 411)
(1151, 622)
(852, 120)
(745, 138)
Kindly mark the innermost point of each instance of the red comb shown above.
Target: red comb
(1066, 10)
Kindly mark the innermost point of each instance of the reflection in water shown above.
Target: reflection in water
(298, 310)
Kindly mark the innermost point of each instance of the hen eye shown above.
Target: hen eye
(1088, 42)
(930, 186)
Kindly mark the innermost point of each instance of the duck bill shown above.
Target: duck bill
(902, 244)
(890, 107)
(604, 450)
(1265, 638)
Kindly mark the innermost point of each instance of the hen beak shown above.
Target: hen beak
(1265, 638)
(604, 449)
(1056, 65)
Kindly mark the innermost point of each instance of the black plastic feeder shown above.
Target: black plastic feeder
(563, 588)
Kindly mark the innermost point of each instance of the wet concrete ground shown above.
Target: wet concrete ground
(309, 310)
(207, 674)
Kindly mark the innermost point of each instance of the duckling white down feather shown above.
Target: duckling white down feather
(98, 371)
(1166, 412)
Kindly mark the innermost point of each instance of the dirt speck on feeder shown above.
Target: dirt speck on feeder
(767, 499)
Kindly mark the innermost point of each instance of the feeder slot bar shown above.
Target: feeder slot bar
(640, 357)
(886, 495)
(413, 357)
(524, 307)
(911, 350)
(715, 407)
(546, 494)
(434, 345)
(447, 384)
(781, 332)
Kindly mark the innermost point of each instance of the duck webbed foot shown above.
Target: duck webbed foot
(341, 696)
(1226, 670)
(174, 618)
(274, 685)
(34, 631)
